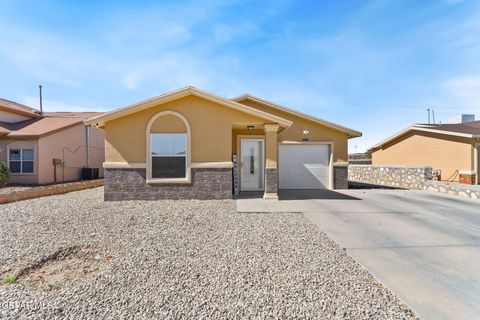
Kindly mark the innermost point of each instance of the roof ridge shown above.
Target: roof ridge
(247, 95)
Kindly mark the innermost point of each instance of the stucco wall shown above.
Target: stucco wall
(442, 152)
(211, 130)
(316, 132)
(70, 146)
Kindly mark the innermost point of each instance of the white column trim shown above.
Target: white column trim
(271, 127)
(124, 165)
(220, 165)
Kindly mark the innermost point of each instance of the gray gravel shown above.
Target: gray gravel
(183, 259)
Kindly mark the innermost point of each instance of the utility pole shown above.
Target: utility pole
(433, 116)
(428, 110)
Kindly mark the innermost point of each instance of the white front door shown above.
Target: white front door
(252, 164)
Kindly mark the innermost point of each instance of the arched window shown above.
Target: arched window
(168, 148)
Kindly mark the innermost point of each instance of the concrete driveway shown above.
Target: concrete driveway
(424, 246)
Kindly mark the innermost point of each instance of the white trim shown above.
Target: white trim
(306, 142)
(424, 129)
(188, 175)
(351, 132)
(271, 127)
(99, 121)
(169, 180)
(219, 165)
(270, 196)
(476, 153)
(340, 164)
(331, 149)
(467, 172)
(143, 165)
(126, 165)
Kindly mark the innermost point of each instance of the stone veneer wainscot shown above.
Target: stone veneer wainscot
(130, 184)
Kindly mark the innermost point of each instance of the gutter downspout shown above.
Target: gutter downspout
(476, 156)
(87, 143)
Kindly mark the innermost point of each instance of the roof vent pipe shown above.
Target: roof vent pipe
(41, 102)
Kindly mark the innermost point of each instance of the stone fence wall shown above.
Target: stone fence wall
(408, 177)
(48, 190)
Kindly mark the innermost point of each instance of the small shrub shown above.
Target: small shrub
(4, 174)
(9, 279)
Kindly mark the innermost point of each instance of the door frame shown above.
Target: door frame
(239, 163)
(329, 143)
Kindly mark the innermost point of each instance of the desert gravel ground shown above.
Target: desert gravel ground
(176, 259)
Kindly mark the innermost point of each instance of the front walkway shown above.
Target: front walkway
(424, 246)
(289, 200)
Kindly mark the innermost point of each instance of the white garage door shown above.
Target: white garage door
(304, 166)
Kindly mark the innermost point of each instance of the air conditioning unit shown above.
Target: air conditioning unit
(89, 173)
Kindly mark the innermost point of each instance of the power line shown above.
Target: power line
(412, 107)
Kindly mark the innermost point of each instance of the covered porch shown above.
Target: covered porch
(254, 157)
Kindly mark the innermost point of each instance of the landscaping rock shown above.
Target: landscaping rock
(181, 259)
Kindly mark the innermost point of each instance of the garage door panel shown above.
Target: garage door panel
(304, 166)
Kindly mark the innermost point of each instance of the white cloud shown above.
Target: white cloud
(131, 80)
(224, 33)
(466, 86)
(54, 106)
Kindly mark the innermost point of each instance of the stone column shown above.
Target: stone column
(340, 175)
(271, 174)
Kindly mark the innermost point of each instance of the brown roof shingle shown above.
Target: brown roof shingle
(52, 122)
(467, 127)
(19, 108)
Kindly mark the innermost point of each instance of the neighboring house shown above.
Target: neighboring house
(183, 144)
(452, 149)
(31, 140)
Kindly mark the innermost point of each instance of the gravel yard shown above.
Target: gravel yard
(75, 256)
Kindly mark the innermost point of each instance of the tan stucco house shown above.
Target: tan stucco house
(47, 147)
(193, 144)
(452, 150)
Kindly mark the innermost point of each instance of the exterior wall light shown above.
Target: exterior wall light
(250, 128)
(305, 135)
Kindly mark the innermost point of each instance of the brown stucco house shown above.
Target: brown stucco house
(192, 144)
(450, 149)
(48, 147)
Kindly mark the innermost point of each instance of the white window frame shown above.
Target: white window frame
(184, 134)
(187, 178)
(21, 161)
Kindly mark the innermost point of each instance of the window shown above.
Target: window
(21, 160)
(169, 155)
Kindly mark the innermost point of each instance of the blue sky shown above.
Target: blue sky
(375, 66)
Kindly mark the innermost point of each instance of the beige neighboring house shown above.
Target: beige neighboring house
(192, 144)
(31, 140)
(451, 149)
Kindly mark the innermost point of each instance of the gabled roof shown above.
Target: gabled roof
(51, 123)
(472, 127)
(18, 108)
(466, 130)
(174, 95)
(352, 133)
